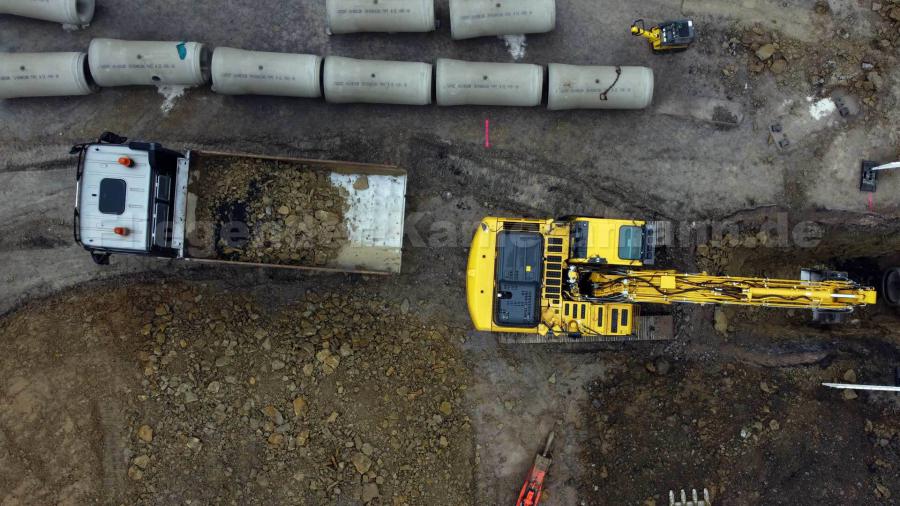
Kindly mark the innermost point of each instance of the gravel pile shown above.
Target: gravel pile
(271, 211)
(335, 400)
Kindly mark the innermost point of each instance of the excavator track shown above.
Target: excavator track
(649, 328)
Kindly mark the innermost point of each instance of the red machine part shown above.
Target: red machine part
(534, 484)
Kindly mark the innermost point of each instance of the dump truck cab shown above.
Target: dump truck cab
(517, 267)
(127, 199)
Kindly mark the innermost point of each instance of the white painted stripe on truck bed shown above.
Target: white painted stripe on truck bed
(375, 215)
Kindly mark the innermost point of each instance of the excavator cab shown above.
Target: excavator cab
(600, 241)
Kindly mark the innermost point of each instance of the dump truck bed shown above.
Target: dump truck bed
(291, 212)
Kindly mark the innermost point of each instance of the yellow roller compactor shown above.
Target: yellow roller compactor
(586, 278)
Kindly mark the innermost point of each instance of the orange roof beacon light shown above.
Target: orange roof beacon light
(121, 231)
(125, 161)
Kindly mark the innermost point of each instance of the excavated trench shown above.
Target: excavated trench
(774, 244)
(740, 409)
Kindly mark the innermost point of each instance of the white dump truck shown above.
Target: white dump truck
(139, 198)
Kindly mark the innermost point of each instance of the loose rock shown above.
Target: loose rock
(141, 461)
(299, 406)
(135, 473)
(369, 492)
(145, 433)
(766, 51)
(361, 462)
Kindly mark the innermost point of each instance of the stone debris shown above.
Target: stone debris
(361, 183)
(361, 462)
(135, 473)
(299, 406)
(766, 51)
(854, 64)
(145, 433)
(369, 492)
(274, 212)
(314, 404)
(721, 321)
(141, 461)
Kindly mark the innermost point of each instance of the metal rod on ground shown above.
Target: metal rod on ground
(874, 388)
(888, 166)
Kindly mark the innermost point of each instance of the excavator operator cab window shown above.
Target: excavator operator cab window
(631, 243)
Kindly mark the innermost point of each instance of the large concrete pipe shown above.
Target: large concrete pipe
(599, 87)
(44, 75)
(126, 63)
(472, 83)
(377, 82)
(67, 12)
(353, 16)
(479, 18)
(240, 72)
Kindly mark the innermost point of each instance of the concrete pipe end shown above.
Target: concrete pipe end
(205, 64)
(88, 83)
(651, 86)
(84, 11)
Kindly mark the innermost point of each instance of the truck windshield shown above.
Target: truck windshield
(631, 240)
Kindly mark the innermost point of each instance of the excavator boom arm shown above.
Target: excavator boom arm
(668, 287)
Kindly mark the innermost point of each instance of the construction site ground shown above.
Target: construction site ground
(160, 382)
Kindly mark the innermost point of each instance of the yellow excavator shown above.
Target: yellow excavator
(585, 278)
(668, 37)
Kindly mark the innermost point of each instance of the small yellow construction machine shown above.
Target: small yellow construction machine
(586, 278)
(668, 37)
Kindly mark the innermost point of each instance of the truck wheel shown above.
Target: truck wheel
(100, 258)
(890, 286)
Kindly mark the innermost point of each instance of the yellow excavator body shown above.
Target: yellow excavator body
(581, 276)
(671, 36)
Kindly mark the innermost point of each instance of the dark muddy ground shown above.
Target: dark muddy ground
(71, 387)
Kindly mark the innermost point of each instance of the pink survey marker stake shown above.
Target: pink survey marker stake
(487, 133)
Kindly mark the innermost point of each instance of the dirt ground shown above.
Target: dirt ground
(188, 393)
(214, 360)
